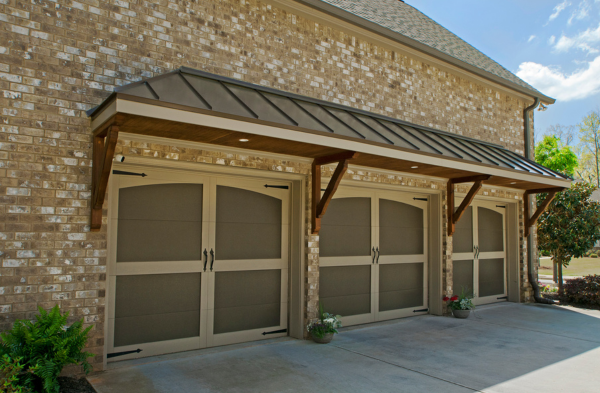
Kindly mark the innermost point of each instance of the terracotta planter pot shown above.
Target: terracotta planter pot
(325, 340)
(461, 313)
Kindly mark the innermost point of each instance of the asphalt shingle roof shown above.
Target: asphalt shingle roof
(406, 20)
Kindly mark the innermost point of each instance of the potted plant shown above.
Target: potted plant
(322, 331)
(461, 305)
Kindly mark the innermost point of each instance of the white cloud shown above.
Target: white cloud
(551, 40)
(558, 9)
(531, 38)
(581, 12)
(551, 81)
(584, 41)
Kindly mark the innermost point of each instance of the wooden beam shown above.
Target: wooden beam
(450, 207)
(455, 216)
(467, 201)
(316, 197)
(340, 170)
(530, 221)
(544, 190)
(103, 151)
(470, 179)
(346, 155)
(320, 204)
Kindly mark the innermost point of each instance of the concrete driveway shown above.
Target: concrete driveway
(503, 348)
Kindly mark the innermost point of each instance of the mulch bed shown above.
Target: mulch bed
(555, 296)
(74, 385)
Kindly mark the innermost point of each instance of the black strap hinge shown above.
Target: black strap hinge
(282, 187)
(115, 354)
(116, 172)
(275, 332)
(504, 207)
(421, 310)
(420, 199)
(502, 298)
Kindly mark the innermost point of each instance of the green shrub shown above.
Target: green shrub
(593, 255)
(44, 347)
(583, 290)
(10, 373)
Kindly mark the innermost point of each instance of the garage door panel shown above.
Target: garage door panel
(491, 277)
(246, 300)
(346, 228)
(345, 290)
(400, 286)
(153, 328)
(153, 241)
(462, 276)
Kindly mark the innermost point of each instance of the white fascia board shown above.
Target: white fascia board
(182, 116)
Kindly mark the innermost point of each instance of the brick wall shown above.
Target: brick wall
(60, 58)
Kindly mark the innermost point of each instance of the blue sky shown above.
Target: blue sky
(554, 45)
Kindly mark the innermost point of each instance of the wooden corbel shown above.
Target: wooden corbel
(454, 216)
(103, 152)
(530, 221)
(319, 204)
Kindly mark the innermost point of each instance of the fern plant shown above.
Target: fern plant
(45, 347)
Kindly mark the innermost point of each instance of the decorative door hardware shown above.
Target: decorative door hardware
(212, 259)
(374, 253)
(205, 258)
(275, 332)
(115, 354)
(420, 199)
(377, 251)
(282, 187)
(117, 172)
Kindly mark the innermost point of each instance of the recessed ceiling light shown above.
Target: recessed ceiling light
(243, 140)
(414, 167)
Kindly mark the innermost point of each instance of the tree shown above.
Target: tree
(566, 134)
(551, 153)
(589, 137)
(570, 226)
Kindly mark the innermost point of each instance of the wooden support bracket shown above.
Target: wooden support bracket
(319, 204)
(530, 221)
(103, 152)
(454, 216)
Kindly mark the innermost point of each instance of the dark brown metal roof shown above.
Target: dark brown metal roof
(198, 89)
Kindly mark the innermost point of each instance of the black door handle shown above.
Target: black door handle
(373, 261)
(212, 258)
(205, 258)
(377, 260)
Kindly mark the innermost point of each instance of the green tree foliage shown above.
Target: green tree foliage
(44, 347)
(551, 153)
(589, 148)
(570, 226)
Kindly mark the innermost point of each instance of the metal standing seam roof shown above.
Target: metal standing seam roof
(202, 90)
(404, 19)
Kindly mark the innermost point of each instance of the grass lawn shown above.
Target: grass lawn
(577, 267)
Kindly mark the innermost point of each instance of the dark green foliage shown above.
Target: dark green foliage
(10, 373)
(583, 290)
(45, 347)
(571, 225)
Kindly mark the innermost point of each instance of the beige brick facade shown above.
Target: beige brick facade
(60, 58)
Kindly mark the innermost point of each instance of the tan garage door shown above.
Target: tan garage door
(479, 253)
(373, 259)
(199, 261)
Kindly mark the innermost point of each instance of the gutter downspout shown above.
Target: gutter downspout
(530, 250)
